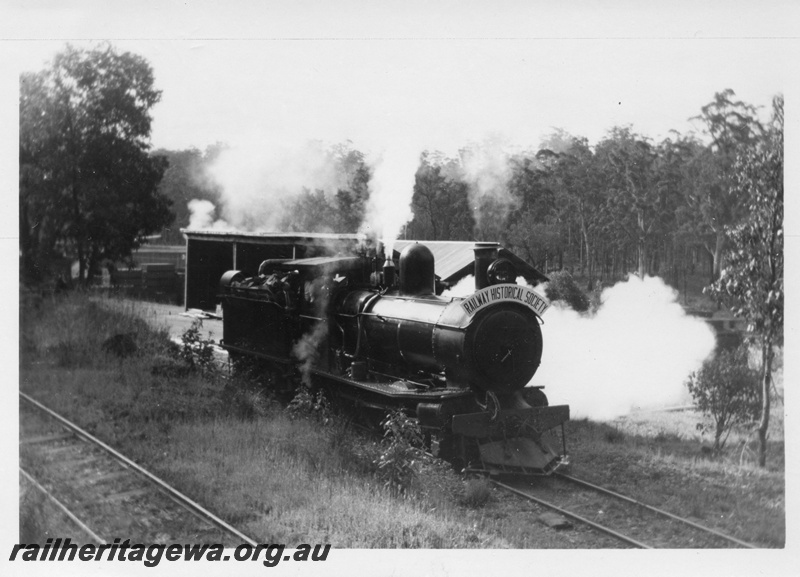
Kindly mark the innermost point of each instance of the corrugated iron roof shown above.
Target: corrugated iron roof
(272, 237)
(455, 259)
(449, 257)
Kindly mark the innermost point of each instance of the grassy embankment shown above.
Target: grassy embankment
(290, 480)
(278, 478)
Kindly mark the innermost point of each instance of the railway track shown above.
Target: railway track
(105, 494)
(618, 515)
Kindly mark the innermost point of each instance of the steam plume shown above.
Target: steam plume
(391, 191)
(258, 180)
(202, 216)
(487, 171)
(464, 287)
(635, 352)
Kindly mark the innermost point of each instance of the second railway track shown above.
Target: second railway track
(107, 495)
(627, 520)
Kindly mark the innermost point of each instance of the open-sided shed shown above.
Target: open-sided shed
(210, 253)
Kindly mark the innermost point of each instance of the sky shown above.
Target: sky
(395, 79)
(436, 77)
(418, 74)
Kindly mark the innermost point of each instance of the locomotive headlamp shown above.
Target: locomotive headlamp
(501, 271)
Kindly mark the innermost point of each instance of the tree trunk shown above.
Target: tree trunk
(766, 385)
(642, 257)
(716, 266)
(718, 432)
(587, 254)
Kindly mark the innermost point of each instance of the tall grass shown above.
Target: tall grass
(663, 469)
(309, 479)
(280, 478)
(68, 331)
(286, 483)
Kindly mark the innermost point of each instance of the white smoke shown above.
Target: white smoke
(202, 216)
(391, 189)
(463, 288)
(259, 179)
(487, 170)
(635, 352)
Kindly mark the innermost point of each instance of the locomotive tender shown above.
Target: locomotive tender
(381, 340)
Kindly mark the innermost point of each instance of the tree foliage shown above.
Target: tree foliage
(733, 127)
(631, 182)
(726, 389)
(752, 281)
(440, 202)
(185, 180)
(562, 287)
(340, 212)
(87, 182)
(401, 452)
(625, 204)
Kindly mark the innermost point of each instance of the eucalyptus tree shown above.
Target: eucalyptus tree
(732, 127)
(578, 197)
(536, 228)
(631, 189)
(752, 281)
(441, 201)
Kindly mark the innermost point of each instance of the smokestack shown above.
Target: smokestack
(388, 272)
(485, 254)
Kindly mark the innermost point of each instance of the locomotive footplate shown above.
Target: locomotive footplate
(511, 440)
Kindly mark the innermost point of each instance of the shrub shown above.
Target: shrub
(308, 403)
(726, 389)
(196, 351)
(400, 452)
(562, 287)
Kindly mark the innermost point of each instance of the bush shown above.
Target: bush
(727, 390)
(196, 351)
(400, 453)
(562, 287)
(308, 403)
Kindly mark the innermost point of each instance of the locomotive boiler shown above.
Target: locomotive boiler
(380, 336)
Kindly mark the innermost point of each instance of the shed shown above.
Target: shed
(209, 253)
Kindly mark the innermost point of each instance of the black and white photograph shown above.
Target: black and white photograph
(402, 288)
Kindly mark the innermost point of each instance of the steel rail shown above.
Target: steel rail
(185, 501)
(566, 513)
(656, 510)
(97, 539)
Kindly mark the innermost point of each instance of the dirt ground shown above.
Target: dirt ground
(177, 320)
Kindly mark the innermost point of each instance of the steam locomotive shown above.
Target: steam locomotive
(380, 336)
